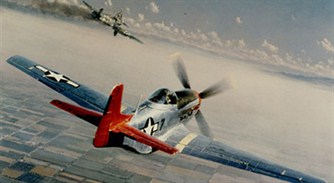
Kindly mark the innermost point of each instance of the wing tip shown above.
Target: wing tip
(14, 59)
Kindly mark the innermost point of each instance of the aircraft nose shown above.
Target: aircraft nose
(199, 100)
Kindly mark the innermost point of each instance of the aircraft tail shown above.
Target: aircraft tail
(113, 121)
(112, 117)
(100, 11)
(106, 122)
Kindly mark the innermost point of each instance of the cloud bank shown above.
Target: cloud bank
(266, 53)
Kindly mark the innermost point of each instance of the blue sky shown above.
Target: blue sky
(299, 29)
(293, 35)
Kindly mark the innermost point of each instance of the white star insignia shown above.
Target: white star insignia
(150, 127)
(55, 76)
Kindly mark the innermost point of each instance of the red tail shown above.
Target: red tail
(112, 117)
(114, 121)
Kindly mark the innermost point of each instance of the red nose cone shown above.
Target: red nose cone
(199, 101)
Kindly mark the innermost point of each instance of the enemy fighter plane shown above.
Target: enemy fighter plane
(118, 29)
(158, 123)
(99, 16)
(115, 22)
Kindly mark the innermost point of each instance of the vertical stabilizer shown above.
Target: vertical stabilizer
(112, 117)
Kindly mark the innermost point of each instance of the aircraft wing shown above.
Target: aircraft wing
(129, 35)
(204, 148)
(73, 90)
(88, 6)
(136, 39)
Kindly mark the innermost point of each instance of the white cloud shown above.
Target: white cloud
(153, 7)
(241, 44)
(137, 25)
(108, 2)
(213, 35)
(148, 25)
(269, 46)
(203, 37)
(129, 20)
(127, 9)
(238, 20)
(183, 32)
(327, 45)
(141, 17)
(266, 53)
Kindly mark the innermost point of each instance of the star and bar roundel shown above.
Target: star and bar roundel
(151, 127)
(54, 76)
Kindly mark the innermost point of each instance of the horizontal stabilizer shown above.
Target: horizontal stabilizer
(85, 114)
(147, 139)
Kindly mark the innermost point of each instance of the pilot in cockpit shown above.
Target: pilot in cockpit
(163, 96)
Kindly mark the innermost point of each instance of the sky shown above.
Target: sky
(297, 35)
(291, 36)
(278, 118)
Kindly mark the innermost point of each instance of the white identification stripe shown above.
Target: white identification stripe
(72, 83)
(185, 141)
(41, 68)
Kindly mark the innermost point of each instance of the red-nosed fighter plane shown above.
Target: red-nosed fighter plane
(155, 124)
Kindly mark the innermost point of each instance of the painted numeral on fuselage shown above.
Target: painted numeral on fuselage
(151, 127)
(186, 115)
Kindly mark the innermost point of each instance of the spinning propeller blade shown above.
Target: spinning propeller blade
(215, 89)
(181, 72)
(209, 92)
(203, 125)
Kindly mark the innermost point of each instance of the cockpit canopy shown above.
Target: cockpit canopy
(163, 96)
(166, 96)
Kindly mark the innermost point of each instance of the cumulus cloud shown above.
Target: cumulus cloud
(154, 7)
(269, 46)
(265, 53)
(141, 17)
(213, 35)
(108, 2)
(127, 10)
(238, 20)
(241, 44)
(327, 45)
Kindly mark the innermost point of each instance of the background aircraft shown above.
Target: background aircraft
(118, 29)
(157, 123)
(115, 22)
(98, 15)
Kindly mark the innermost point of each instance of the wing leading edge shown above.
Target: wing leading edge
(204, 148)
(79, 93)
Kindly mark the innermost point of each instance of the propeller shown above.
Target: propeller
(215, 89)
(180, 70)
(212, 90)
(203, 125)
